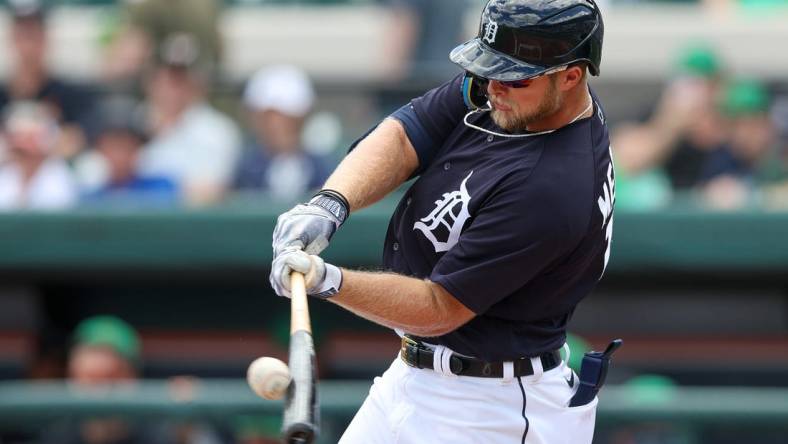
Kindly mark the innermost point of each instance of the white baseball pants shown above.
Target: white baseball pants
(422, 406)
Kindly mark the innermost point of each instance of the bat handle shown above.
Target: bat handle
(299, 308)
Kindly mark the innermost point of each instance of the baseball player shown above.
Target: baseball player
(506, 228)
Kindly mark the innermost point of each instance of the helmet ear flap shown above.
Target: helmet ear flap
(474, 91)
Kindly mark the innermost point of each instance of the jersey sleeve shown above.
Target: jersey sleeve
(514, 237)
(440, 110)
(429, 119)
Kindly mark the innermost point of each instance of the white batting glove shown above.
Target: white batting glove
(310, 226)
(322, 280)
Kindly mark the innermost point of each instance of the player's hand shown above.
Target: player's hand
(310, 226)
(322, 280)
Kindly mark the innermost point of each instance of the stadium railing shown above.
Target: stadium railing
(29, 405)
(671, 242)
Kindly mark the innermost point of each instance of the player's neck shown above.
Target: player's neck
(575, 107)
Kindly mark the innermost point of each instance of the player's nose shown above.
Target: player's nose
(495, 87)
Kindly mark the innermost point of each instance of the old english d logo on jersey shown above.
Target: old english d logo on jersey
(444, 224)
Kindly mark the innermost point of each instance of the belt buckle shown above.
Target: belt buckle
(410, 351)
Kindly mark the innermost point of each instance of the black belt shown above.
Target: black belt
(418, 355)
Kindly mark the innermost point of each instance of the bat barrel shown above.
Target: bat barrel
(301, 415)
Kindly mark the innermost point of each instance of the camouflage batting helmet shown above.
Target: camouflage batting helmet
(519, 39)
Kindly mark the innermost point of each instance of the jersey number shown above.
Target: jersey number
(605, 203)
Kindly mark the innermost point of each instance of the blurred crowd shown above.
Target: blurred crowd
(712, 140)
(106, 352)
(147, 134)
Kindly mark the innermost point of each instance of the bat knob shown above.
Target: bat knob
(299, 439)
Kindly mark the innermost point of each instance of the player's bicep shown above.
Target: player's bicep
(408, 150)
(423, 124)
(440, 110)
(390, 135)
(419, 140)
(430, 119)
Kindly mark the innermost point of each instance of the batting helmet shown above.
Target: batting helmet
(519, 39)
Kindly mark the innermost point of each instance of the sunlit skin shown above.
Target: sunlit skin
(546, 103)
(98, 365)
(171, 91)
(121, 151)
(89, 366)
(29, 141)
(278, 132)
(28, 38)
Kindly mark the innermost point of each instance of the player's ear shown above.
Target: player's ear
(572, 76)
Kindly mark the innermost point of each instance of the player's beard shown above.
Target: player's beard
(517, 121)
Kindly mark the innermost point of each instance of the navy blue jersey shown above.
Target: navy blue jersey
(517, 229)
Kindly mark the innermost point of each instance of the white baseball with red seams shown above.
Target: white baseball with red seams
(268, 377)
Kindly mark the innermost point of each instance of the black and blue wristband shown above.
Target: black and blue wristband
(334, 202)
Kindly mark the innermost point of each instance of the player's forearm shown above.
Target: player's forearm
(416, 306)
(378, 165)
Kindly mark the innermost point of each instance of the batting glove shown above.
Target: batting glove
(322, 280)
(310, 226)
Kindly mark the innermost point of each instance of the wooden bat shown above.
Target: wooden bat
(302, 409)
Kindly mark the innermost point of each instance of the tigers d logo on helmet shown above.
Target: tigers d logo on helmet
(491, 30)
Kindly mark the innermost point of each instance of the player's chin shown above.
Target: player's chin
(499, 115)
(505, 120)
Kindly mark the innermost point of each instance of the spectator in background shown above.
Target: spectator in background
(30, 78)
(749, 160)
(118, 142)
(277, 100)
(419, 36)
(192, 142)
(752, 8)
(680, 134)
(147, 24)
(33, 176)
(106, 350)
(774, 177)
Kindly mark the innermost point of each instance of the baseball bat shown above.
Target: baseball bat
(302, 409)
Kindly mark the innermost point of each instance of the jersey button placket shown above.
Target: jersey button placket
(395, 246)
(447, 166)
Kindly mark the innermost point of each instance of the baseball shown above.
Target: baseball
(268, 377)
